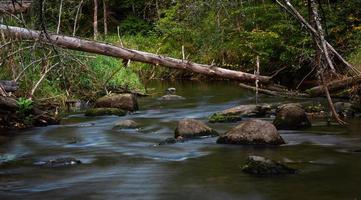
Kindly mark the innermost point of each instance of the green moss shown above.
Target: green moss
(217, 117)
(105, 111)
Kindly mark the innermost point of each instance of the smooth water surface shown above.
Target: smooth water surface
(128, 164)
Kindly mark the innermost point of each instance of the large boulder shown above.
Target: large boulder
(236, 113)
(291, 117)
(121, 101)
(190, 128)
(105, 111)
(252, 132)
(261, 166)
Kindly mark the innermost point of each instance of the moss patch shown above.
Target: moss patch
(221, 118)
(105, 111)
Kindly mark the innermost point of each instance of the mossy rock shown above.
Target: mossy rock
(261, 166)
(219, 118)
(105, 111)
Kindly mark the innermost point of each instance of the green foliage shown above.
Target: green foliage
(114, 74)
(25, 105)
(355, 58)
(134, 25)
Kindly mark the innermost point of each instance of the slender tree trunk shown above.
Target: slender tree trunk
(60, 13)
(77, 16)
(129, 54)
(105, 13)
(95, 20)
(286, 4)
(322, 59)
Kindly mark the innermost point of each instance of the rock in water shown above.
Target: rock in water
(261, 166)
(291, 117)
(121, 101)
(253, 132)
(236, 113)
(190, 128)
(171, 97)
(344, 109)
(105, 111)
(60, 162)
(126, 124)
(172, 141)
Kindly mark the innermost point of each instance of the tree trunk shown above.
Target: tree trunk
(129, 54)
(95, 20)
(59, 20)
(77, 16)
(286, 4)
(335, 86)
(105, 13)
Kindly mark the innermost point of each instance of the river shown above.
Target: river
(128, 164)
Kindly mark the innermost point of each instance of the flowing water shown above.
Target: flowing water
(128, 164)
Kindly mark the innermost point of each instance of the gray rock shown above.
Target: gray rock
(252, 132)
(126, 124)
(344, 109)
(121, 101)
(171, 97)
(189, 128)
(171, 141)
(291, 117)
(170, 91)
(237, 113)
(261, 166)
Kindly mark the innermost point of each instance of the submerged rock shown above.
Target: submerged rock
(121, 101)
(171, 97)
(190, 128)
(252, 132)
(236, 113)
(105, 111)
(171, 141)
(261, 166)
(291, 117)
(60, 162)
(126, 124)
(344, 109)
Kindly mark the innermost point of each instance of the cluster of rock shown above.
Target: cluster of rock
(250, 132)
(12, 118)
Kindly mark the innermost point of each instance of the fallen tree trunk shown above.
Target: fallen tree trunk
(278, 92)
(9, 86)
(128, 54)
(334, 86)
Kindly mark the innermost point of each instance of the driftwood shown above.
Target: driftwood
(9, 86)
(274, 91)
(335, 86)
(129, 54)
